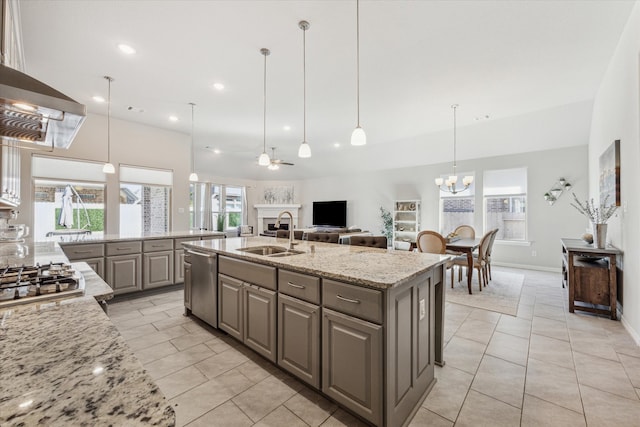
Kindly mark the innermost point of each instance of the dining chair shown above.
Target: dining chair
(284, 234)
(479, 262)
(369, 241)
(465, 232)
(432, 242)
(489, 250)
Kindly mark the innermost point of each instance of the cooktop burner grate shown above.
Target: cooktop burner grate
(26, 282)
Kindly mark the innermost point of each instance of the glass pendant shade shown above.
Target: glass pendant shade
(264, 159)
(108, 168)
(439, 181)
(358, 137)
(467, 180)
(193, 177)
(305, 150)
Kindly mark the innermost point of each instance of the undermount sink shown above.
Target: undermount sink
(273, 251)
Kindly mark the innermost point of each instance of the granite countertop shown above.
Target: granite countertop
(96, 238)
(376, 268)
(62, 362)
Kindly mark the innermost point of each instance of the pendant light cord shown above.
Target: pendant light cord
(358, 57)
(264, 109)
(109, 79)
(192, 130)
(304, 84)
(454, 106)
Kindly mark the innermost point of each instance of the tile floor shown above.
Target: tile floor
(545, 367)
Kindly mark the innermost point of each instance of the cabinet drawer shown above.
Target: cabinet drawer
(124, 248)
(256, 274)
(75, 252)
(299, 285)
(354, 300)
(157, 245)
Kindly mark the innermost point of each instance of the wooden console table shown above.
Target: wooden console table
(590, 273)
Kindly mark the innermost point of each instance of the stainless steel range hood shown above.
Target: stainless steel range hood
(33, 112)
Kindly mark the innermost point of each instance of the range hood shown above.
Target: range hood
(32, 112)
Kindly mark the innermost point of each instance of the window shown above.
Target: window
(457, 209)
(505, 201)
(145, 200)
(217, 207)
(69, 197)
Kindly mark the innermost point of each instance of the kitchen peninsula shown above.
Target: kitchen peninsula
(362, 325)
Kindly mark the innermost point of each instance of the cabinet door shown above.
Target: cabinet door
(123, 273)
(230, 313)
(352, 364)
(299, 339)
(158, 269)
(260, 320)
(187, 285)
(96, 264)
(178, 269)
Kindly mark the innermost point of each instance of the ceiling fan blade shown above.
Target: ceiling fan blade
(286, 163)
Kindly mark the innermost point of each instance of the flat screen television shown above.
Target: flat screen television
(330, 214)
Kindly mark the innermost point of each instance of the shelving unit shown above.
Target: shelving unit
(406, 223)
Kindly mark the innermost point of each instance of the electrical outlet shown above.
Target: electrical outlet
(423, 309)
(534, 253)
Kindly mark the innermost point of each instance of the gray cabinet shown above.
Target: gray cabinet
(158, 269)
(179, 271)
(230, 312)
(299, 338)
(187, 282)
(92, 254)
(260, 320)
(352, 374)
(247, 304)
(123, 273)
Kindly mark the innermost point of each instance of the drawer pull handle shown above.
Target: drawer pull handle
(82, 252)
(353, 301)
(295, 286)
(123, 249)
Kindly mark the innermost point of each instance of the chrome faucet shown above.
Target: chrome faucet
(277, 225)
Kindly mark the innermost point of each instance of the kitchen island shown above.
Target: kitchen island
(361, 325)
(63, 362)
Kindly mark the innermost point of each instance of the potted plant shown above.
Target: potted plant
(598, 215)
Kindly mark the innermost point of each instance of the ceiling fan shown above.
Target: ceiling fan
(275, 163)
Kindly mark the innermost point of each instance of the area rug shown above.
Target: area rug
(502, 294)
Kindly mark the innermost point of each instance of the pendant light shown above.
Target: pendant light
(108, 167)
(264, 159)
(358, 137)
(193, 177)
(305, 149)
(450, 183)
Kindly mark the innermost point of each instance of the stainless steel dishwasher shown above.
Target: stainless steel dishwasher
(201, 293)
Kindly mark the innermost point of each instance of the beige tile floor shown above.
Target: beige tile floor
(545, 367)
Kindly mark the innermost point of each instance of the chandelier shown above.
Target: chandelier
(449, 185)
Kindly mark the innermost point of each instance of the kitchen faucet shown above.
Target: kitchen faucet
(277, 225)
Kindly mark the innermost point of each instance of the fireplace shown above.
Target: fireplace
(267, 214)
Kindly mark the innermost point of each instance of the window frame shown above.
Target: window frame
(525, 195)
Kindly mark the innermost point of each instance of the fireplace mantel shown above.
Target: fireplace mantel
(271, 211)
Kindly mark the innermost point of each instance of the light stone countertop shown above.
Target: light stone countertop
(63, 362)
(376, 268)
(106, 238)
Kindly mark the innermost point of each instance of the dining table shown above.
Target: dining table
(466, 246)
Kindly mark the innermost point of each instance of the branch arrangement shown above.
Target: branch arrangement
(596, 214)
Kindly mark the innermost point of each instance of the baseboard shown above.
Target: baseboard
(528, 267)
(631, 331)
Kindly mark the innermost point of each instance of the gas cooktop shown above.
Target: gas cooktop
(26, 284)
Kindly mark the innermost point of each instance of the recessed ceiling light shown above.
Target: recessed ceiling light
(286, 127)
(135, 109)
(215, 150)
(218, 86)
(482, 117)
(125, 48)
(173, 119)
(336, 144)
(98, 98)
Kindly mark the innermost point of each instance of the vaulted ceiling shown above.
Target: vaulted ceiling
(501, 59)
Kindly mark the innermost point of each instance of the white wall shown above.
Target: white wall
(616, 115)
(366, 192)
